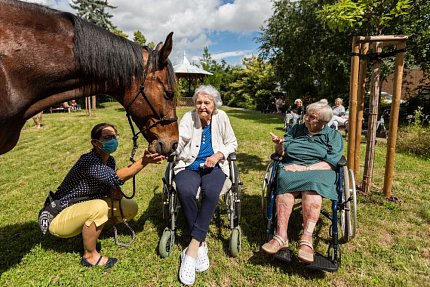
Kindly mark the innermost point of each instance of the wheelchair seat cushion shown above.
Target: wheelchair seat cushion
(322, 182)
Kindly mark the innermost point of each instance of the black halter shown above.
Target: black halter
(162, 120)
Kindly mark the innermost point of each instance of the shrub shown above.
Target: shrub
(415, 138)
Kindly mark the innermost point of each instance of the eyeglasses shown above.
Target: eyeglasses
(109, 137)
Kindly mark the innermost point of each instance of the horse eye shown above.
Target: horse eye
(170, 94)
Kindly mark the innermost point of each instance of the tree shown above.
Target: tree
(138, 37)
(118, 32)
(310, 61)
(222, 72)
(367, 17)
(253, 85)
(95, 12)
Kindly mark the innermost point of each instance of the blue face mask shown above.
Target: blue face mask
(110, 146)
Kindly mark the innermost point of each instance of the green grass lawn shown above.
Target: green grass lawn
(392, 247)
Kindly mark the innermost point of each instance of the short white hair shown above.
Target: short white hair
(210, 91)
(323, 110)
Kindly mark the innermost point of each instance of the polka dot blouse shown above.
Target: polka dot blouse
(88, 179)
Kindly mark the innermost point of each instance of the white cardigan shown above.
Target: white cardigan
(190, 136)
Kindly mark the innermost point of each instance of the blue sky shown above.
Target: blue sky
(226, 27)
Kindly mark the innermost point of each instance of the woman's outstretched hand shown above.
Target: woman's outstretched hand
(152, 157)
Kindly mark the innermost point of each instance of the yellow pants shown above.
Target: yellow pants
(69, 222)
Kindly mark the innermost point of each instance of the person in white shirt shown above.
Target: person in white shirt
(206, 139)
(339, 117)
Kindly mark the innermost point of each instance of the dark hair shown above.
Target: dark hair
(96, 132)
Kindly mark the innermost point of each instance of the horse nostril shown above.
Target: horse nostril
(174, 146)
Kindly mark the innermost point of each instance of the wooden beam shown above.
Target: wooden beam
(373, 120)
(360, 108)
(381, 38)
(394, 121)
(353, 102)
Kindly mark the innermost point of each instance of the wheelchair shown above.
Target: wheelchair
(343, 213)
(229, 200)
(290, 120)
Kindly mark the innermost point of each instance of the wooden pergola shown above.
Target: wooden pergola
(359, 62)
(190, 72)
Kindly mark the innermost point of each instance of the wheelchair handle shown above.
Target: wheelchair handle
(342, 161)
(275, 157)
(232, 157)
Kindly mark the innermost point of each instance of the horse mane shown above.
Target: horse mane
(104, 60)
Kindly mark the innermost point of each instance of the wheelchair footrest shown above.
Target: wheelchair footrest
(283, 255)
(323, 263)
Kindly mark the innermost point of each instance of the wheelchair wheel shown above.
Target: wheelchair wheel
(344, 214)
(265, 192)
(235, 241)
(353, 207)
(236, 185)
(166, 243)
(348, 215)
(165, 200)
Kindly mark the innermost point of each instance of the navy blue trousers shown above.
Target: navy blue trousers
(211, 182)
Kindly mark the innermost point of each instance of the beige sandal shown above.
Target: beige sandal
(305, 257)
(273, 249)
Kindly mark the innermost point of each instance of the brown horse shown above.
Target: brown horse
(48, 57)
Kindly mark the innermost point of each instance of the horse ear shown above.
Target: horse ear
(166, 49)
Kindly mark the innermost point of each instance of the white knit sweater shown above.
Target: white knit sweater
(190, 135)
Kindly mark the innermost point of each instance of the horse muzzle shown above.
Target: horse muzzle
(163, 147)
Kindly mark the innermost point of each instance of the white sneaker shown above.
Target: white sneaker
(187, 271)
(202, 262)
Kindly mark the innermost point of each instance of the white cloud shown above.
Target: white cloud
(191, 20)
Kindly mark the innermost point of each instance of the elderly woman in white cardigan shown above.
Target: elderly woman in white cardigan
(206, 139)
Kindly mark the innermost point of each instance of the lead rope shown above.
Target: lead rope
(115, 231)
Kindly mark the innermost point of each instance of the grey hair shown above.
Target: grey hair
(340, 99)
(323, 110)
(297, 100)
(210, 91)
(324, 101)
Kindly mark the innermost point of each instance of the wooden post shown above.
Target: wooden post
(360, 108)
(394, 121)
(93, 103)
(373, 120)
(88, 106)
(353, 101)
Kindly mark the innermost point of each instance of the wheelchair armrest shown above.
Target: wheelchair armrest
(232, 157)
(275, 156)
(342, 161)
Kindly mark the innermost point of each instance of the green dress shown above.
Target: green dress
(302, 149)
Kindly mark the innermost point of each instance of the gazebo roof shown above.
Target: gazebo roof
(185, 69)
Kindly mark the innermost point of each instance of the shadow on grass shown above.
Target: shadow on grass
(254, 231)
(249, 162)
(18, 239)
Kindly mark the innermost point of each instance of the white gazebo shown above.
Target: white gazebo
(190, 72)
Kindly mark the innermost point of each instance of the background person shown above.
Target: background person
(279, 104)
(295, 111)
(206, 139)
(88, 191)
(310, 153)
(339, 116)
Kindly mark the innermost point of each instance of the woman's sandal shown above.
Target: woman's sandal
(306, 257)
(273, 249)
(109, 263)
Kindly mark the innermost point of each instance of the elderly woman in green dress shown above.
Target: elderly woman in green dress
(310, 153)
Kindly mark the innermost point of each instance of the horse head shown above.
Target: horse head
(153, 107)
